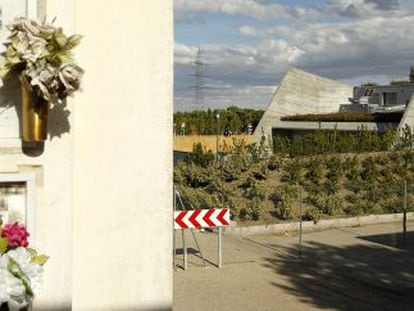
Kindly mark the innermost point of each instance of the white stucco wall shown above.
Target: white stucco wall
(103, 210)
(123, 157)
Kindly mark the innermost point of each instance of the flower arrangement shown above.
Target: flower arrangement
(21, 268)
(42, 55)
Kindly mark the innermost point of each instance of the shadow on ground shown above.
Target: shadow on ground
(360, 277)
(393, 240)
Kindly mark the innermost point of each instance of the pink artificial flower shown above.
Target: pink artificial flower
(16, 234)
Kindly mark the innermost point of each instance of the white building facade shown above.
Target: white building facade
(97, 196)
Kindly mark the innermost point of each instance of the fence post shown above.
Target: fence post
(220, 247)
(405, 215)
(174, 244)
(300, 222)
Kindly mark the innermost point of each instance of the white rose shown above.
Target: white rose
(12, 290)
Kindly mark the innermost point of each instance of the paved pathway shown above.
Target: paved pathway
(362, 268)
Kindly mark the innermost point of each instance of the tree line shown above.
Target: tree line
(205, 122)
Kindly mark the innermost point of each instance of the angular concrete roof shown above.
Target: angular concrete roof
(408, 117)
(301, 92)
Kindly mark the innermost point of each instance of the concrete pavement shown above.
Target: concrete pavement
(360, 268)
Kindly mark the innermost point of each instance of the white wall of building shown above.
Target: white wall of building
(103, 203)
(123, 157)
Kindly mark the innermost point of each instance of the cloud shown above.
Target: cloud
(371, 42)
(385, 5)
(257, 9)
(359, 45)
(190, 10)
(362, 8)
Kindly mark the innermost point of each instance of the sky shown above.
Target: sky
(248, 45)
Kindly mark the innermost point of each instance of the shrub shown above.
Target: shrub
(312, 214)
(359, 206)
(252, 211)
(331, 187)
(334, 168)
(314, 171)
(192, 175)
(293, 172)
(256, 190)
(283, 199)
(274, 163)
(201, 156)
(329, 205)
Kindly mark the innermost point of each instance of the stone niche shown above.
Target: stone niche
(17, 199)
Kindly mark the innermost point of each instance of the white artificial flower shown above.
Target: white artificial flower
(20, 42)
(34, 272)
(47, 82)
(70, 75)
(31, 26)
(12, 290)
(37, 49)
(29, 47)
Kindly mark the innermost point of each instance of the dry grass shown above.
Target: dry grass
(185, 143)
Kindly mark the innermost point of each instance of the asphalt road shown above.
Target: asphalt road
(361, 268)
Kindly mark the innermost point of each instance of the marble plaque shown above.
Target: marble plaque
(9, 90)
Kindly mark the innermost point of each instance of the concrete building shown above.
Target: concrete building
(303, 93)
(99, 194)
(380, 98)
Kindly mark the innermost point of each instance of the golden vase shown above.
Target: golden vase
(34, 116)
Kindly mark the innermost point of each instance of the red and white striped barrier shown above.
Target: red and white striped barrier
(201, 218)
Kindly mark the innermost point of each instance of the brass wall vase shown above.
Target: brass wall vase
(34, 115)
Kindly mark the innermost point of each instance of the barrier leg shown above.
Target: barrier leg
(184, 250)
(220, 247)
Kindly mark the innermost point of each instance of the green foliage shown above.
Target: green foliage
(4, 242)
(334, 185)
(334, 141)
(260, 171)
(192, 175)
(327, 204)
(201, 156)
(293, 172)
(406, 138)
(357, 206)
(252, 211)
(204, 122)
(312, 214)
(283, 199)
(333, 174)
(256, 190)
(314, 171)
(274, 163)
(394, 117)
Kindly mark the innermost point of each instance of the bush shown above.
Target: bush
(252, 211)
(193, 175)
(358, 206)
(293, 172)
(255, 190)
(329, 205)
(260, 171)
(283, 199)
(312, 214)
(274, 163)
(314, 171)
(201, 156)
